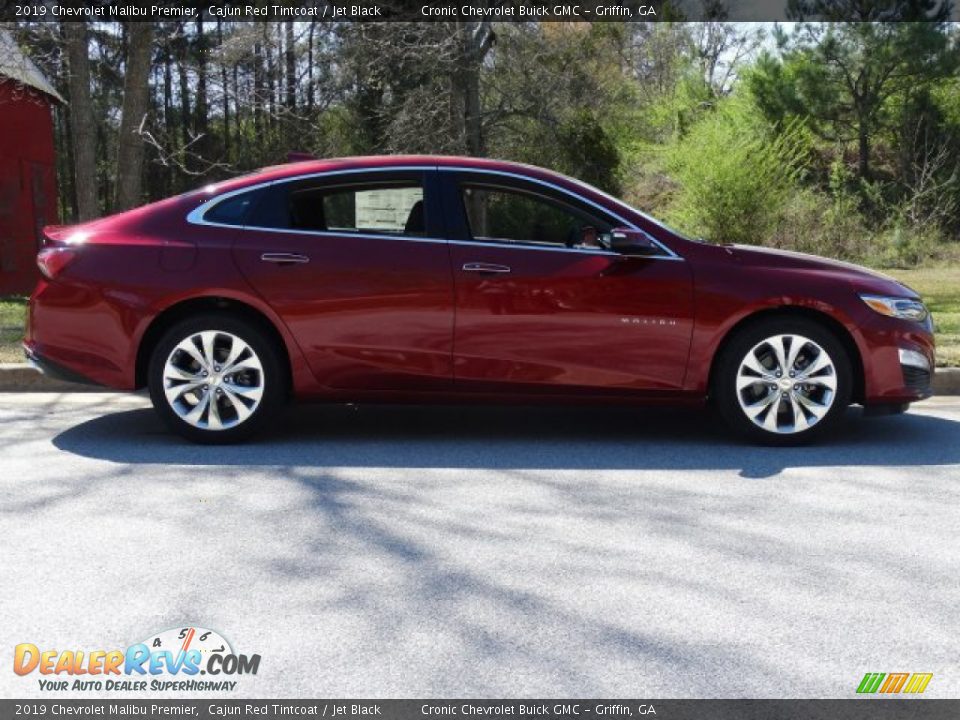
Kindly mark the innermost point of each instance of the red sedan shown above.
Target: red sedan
(425, 279)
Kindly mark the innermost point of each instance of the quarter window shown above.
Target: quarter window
(232, 210)
(509, 215)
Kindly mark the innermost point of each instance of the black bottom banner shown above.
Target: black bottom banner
(858, 709)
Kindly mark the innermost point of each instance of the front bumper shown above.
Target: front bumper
(899, 361)
(917, 369)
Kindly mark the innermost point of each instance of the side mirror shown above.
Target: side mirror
(628, 241)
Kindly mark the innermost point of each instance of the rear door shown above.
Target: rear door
(356, 266)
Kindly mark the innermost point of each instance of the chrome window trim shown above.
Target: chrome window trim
(507, 245)
(330, 233)
(195, 216)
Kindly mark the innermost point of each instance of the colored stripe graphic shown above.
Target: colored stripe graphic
(918, 683)
(870, 682)
(894, 683)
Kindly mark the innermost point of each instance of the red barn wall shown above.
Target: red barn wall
(28, 191)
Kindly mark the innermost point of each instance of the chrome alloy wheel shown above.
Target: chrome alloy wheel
(213, 380)
(786, 384)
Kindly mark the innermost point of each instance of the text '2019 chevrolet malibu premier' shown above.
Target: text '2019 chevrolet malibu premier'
(444, 279)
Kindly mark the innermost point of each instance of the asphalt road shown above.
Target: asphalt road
(429, 552)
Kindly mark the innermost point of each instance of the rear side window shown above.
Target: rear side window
(382, 207)
(233, 210)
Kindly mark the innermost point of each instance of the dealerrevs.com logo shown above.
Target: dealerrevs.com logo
(171, 660)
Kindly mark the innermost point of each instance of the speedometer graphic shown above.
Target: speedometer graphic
(184, 639)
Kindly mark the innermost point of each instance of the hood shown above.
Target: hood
(861, 278)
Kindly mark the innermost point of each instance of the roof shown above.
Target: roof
(324, 165)
(320, 166)
(14, 64)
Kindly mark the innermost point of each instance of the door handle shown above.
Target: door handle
(284, 258)
(485, 267)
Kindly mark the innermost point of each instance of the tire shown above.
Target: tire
(782, 409)
(189, 366)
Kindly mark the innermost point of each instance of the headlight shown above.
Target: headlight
(903, 308)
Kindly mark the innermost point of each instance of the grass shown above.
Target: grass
(940, 289)
(13, 312)
(939, 286)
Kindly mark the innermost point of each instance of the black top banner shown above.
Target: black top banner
(475, 10)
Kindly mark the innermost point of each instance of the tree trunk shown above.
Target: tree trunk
(82, 126)
(291, 66)
(273, 84)
(225, 96)
(67, 194)
(476, 39)
(863, 137)
(258, 90)
(237, 123)
(200, 109)
(168, 119)
(135, 98)
(472, 121)
(185, 114)
(310, 90)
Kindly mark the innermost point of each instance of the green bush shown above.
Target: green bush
(815, 223)
(735, 175)
(903, 246)
(812, 222)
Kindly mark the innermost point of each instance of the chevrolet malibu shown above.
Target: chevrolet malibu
(443, 279)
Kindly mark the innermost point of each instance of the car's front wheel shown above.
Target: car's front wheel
(783, 381)
(215, 378)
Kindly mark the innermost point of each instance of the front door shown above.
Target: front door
(357, 267)
(542, 307)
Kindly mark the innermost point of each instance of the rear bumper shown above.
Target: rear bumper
(75, 334)
(55, 370)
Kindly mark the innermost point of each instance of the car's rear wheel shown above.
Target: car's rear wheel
(215, 378)
(783, 381)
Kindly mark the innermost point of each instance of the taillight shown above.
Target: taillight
(52, 260)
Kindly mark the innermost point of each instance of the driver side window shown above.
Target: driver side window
(516, 216)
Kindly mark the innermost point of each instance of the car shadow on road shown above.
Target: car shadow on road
(549, 581)
(517, 438)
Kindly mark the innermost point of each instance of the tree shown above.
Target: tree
(722, 48)
(554, 93)
(82, 125)
(413, 87)
(476, 39)
(135, 99)
(841, 75)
